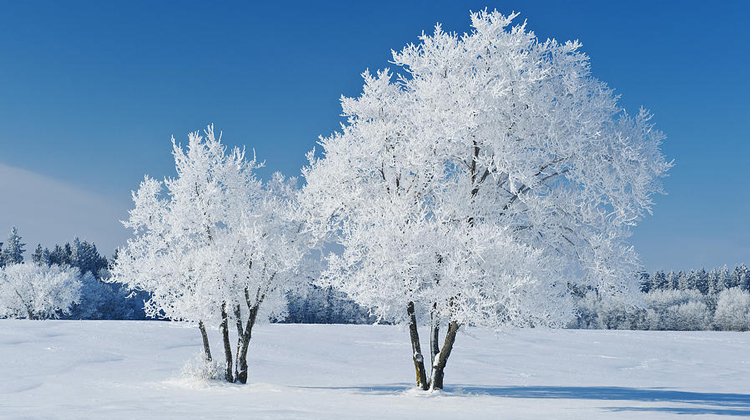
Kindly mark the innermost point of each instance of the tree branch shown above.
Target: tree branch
(525, 188)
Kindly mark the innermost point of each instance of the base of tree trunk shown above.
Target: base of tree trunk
(227, 346)
(416, 348)
(242, 373)
(247, 335)
(438, 370)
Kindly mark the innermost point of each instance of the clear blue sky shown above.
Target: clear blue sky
(90, 92)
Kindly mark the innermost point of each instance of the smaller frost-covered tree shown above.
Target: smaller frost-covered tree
(733, 310)
(473, 189)
(36, 291)
(219, 246)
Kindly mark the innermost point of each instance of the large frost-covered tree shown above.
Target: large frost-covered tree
(37, 291)
(479, 182)
(216, 246)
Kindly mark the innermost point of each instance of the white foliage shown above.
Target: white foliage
(733, 310)
(489, 174)
(37, 291)
(213, 235)
(200, 370)
(608, 312)
(682, 310)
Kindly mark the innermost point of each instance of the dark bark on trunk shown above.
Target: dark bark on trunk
(240, 335)
(473, 170)
(438, 370)
(227, 346)
(434, 336)
(416, 348)
(206, 345)
(242, 355)
(247, 335)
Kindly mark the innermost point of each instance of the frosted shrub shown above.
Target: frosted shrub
(733, 310)
(603, 312)
(682, 310)
(201, 369)
(38, 292)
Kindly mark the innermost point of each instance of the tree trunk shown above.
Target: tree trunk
(438, 369)
(434, 336)
(416, 348)
(240, 336)
(242, 354)
(227, 346)
(247, 334)
(206, 346)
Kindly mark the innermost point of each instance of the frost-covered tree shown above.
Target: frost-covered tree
(680, 310)
(12, 252)
(479, 182)
(722, 278)
(740, 277)
(733, 310)
(605, 312)
(701, 281)
(61, 255)
(36, 291)
(215, 246)
(673, 280)
(659, 280)
(41, 255)
(86, 257)
(98, 299)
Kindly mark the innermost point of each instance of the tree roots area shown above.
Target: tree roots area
(138, 370)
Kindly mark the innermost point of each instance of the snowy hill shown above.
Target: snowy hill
(133, 370)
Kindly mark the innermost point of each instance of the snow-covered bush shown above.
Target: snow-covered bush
(98, 298)
(202, 370)
(35, 291)
(493, 172)
(606, 312)
(733, 310)
(682, 310)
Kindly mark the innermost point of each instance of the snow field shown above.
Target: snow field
(128, 370)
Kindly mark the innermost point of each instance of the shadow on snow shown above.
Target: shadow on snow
(719, 403)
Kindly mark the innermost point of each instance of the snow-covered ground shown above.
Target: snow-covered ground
(133, 370)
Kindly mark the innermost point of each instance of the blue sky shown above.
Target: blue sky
(90, 93)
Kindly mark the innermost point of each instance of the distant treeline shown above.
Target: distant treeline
(101, 299)
(718, 299)
(98, 299)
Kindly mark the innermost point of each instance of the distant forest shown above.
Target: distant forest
(103, 299)
(717, 299)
